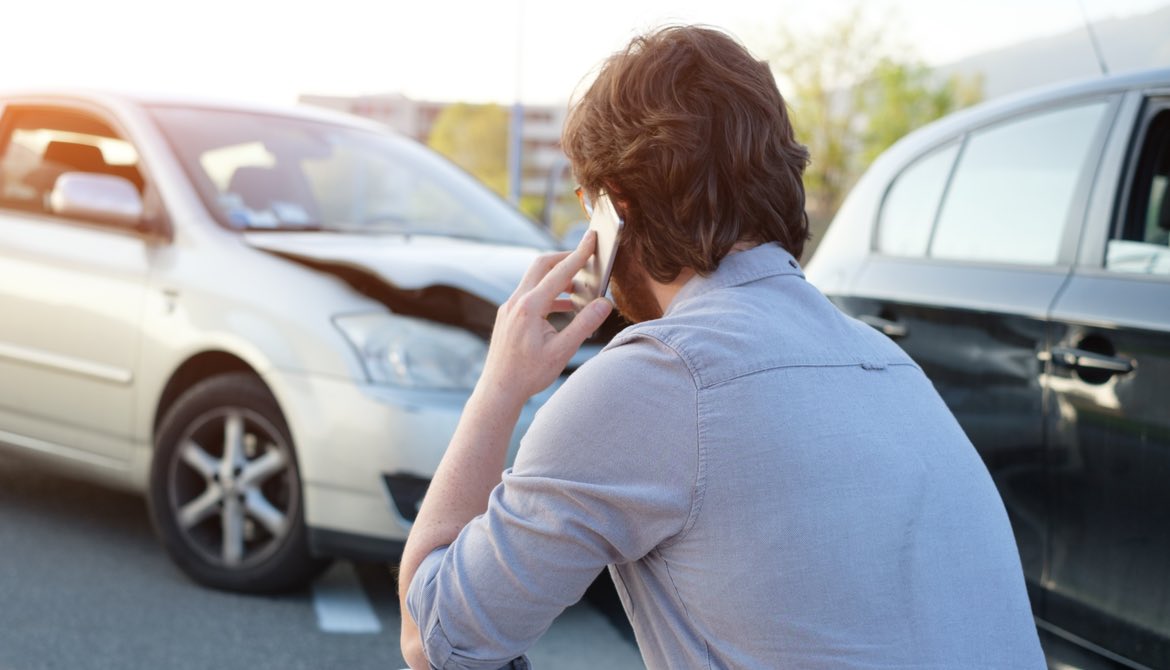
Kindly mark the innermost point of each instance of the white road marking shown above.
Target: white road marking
(341, 603)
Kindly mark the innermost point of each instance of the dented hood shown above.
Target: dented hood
(408, 262)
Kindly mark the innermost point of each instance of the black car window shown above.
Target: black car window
(908, 212)
(1144, 243)
(1013, 187)
(41, 144)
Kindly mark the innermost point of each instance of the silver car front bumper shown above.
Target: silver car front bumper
(354, 440)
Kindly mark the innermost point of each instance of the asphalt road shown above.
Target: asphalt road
(83, 584)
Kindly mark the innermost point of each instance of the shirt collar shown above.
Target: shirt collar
(738, 268)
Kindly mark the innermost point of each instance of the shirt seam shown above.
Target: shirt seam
(686, 610)
(447, 650)
(741, 277)
(699, 487)
(786, 366)
(698, 492)
(740, 269)
(662, 338)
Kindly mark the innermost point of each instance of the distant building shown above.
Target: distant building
(540, 136)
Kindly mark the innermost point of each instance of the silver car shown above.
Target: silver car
(267, 320)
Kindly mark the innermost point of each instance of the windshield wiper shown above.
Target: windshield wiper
(379, 220)
(290, 228)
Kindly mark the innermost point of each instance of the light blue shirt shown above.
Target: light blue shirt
(771, 483)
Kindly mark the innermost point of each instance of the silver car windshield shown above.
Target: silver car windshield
(268, 172)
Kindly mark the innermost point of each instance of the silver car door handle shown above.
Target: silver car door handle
(891, 329)
(1089, 360)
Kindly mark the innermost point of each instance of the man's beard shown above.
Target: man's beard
(631, 289)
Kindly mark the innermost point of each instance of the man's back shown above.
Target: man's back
(773, 485)
(842, 517)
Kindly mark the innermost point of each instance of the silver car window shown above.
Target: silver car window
(259, 171)
(45, 143)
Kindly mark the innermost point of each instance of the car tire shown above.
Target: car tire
(225, 489)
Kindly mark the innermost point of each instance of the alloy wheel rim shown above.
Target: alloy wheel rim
(232, 488)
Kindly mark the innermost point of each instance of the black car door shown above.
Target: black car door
(975, 239)
(1108, 417)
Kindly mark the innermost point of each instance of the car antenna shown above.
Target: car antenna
(1093, 39)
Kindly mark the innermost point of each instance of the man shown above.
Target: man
(771, 483)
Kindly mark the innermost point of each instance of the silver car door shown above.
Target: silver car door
(71, 292)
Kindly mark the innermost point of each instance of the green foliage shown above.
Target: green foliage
(532, 205)
(815, 72)
(475, 137)
(900, 97)
(850, 98)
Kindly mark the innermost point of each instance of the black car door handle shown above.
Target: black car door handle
(1088, 360)
(891, 329)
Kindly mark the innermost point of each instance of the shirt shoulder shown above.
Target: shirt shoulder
(772, 322)
(632, 403)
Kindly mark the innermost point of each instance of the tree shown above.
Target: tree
(901, 97)
(850, 98)
(816, 72)
(475, 137)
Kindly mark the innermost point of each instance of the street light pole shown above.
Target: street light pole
(515, 146)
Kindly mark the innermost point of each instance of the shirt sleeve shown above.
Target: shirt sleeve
(607, 472)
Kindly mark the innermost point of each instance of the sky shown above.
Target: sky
(477, 51)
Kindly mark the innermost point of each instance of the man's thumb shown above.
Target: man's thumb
(587, 321)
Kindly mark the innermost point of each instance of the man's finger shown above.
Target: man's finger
(587, 321)
(561, 305)
(539, 268)
(561, 274)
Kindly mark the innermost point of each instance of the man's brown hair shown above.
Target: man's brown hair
(689, 133)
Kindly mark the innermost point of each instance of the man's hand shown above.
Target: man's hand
(526, 355)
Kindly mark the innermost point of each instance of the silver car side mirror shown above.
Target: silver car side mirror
(101, 196)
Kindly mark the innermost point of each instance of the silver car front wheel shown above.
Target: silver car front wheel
(225, 489)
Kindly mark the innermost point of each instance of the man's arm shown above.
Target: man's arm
(526, 355)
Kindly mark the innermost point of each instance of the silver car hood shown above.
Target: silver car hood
(489, 271)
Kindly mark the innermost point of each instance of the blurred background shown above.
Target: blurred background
(83, 582)
(488, 84)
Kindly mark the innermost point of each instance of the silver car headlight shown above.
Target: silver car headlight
(414, 353)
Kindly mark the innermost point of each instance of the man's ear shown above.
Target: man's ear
(620, 202)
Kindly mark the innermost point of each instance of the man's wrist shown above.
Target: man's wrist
(498, 396)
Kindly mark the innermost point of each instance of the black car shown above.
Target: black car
(1020, 252)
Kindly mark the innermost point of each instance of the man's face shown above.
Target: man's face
(631, 289)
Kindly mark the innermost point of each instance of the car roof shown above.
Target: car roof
(118, 98)
(991, 110)
(1047, 95)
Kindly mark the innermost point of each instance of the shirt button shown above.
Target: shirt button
(792, 263)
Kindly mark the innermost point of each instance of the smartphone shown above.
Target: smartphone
(592, 281)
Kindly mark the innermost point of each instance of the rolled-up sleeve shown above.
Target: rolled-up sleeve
(607, 472)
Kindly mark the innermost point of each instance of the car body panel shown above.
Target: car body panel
(79, 376)
(1080, 458)
(412, 261)
(1109, 432)
(354, 423)
(1109, 438)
